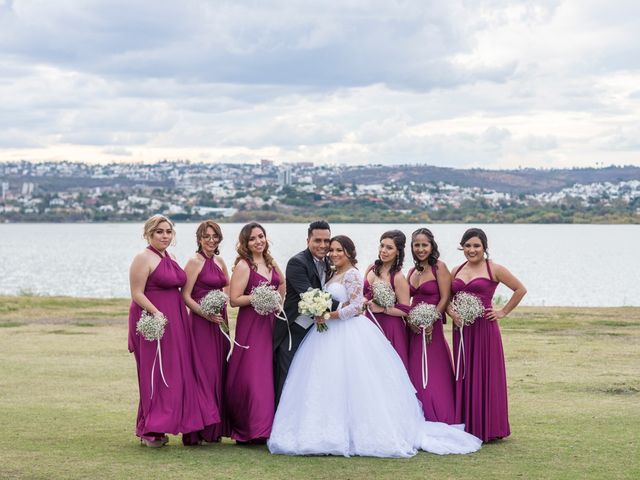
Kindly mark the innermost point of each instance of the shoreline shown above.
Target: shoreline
(16, 310)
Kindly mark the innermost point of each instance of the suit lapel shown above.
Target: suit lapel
(312, 265)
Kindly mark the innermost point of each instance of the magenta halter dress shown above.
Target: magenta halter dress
(249, 386)
(481, 389)
(394, 328)
(181, 406)
(438, 397)
(210, 349)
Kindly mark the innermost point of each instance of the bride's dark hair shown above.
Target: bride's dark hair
(347, 245)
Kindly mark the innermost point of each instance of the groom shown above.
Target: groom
(308, 269)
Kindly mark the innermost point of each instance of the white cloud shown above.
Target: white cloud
(492, 83)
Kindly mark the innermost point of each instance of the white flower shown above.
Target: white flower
(151, 327)
(423, 315)
(213, 302)
(265, 299)
(383, 294)
(468, 307)
(314, 303)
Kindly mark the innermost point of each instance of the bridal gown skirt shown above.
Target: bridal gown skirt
(347, 393)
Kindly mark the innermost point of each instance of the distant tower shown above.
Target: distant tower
(265, 163)
(284, 177)
(27, 188)
(5, 189)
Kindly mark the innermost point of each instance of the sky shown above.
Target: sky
(490, 83)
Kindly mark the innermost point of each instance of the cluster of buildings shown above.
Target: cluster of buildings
(59, 191)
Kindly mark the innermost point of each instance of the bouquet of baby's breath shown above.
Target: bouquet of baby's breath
(423, 315)
(468, 307)
(383, 294)
(314, 303)
(265, 299)
(213, 302)
(151, 326)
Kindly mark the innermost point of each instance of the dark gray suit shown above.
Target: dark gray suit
(301, 274)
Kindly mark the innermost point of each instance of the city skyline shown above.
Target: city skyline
(485, 84)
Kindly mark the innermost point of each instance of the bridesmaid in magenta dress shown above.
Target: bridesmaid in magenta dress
(388, 269)
(181, 406)
(430, 282)
(249, 390)
(481, 387)
(207, 271)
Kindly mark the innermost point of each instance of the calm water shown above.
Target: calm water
(578, 265)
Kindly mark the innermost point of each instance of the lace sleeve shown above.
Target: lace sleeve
(353, 284)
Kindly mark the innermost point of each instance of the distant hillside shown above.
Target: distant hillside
(513, 181)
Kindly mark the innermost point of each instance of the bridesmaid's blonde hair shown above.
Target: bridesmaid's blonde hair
(152, 223)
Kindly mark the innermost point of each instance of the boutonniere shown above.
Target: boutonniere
(332, 267)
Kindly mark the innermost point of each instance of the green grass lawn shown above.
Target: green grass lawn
(68, 399)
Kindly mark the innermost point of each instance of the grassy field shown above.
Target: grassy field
(68, 399)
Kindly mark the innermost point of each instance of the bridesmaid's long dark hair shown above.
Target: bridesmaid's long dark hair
(476, 232)
(243, 247)
(399, 240)
(432, 259)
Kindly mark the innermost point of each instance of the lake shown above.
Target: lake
(561, 265)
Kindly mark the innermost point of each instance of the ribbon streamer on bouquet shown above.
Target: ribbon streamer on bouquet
(425, 370)
(153, 367)
(286, 320)
(373, 317)
(230, 341)
(461, 354)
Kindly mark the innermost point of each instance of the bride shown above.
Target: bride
(347, 391)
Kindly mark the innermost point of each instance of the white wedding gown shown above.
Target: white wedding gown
(348, 393)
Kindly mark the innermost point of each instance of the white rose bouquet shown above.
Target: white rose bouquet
(315, 303)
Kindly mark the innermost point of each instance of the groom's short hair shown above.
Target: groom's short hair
(318, 225)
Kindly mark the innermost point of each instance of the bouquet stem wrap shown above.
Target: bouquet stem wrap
(423, 363)
(461, 354)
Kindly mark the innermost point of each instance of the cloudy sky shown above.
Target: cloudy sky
(461, 83)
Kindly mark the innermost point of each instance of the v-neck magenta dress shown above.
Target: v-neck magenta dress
(249, 386)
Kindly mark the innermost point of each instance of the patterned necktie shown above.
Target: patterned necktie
(321, 271)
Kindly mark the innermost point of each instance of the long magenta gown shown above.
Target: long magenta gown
(182, 406)
(438, 397)
(210, 349)
(249, 387)
(481, 389)
(394, 328)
